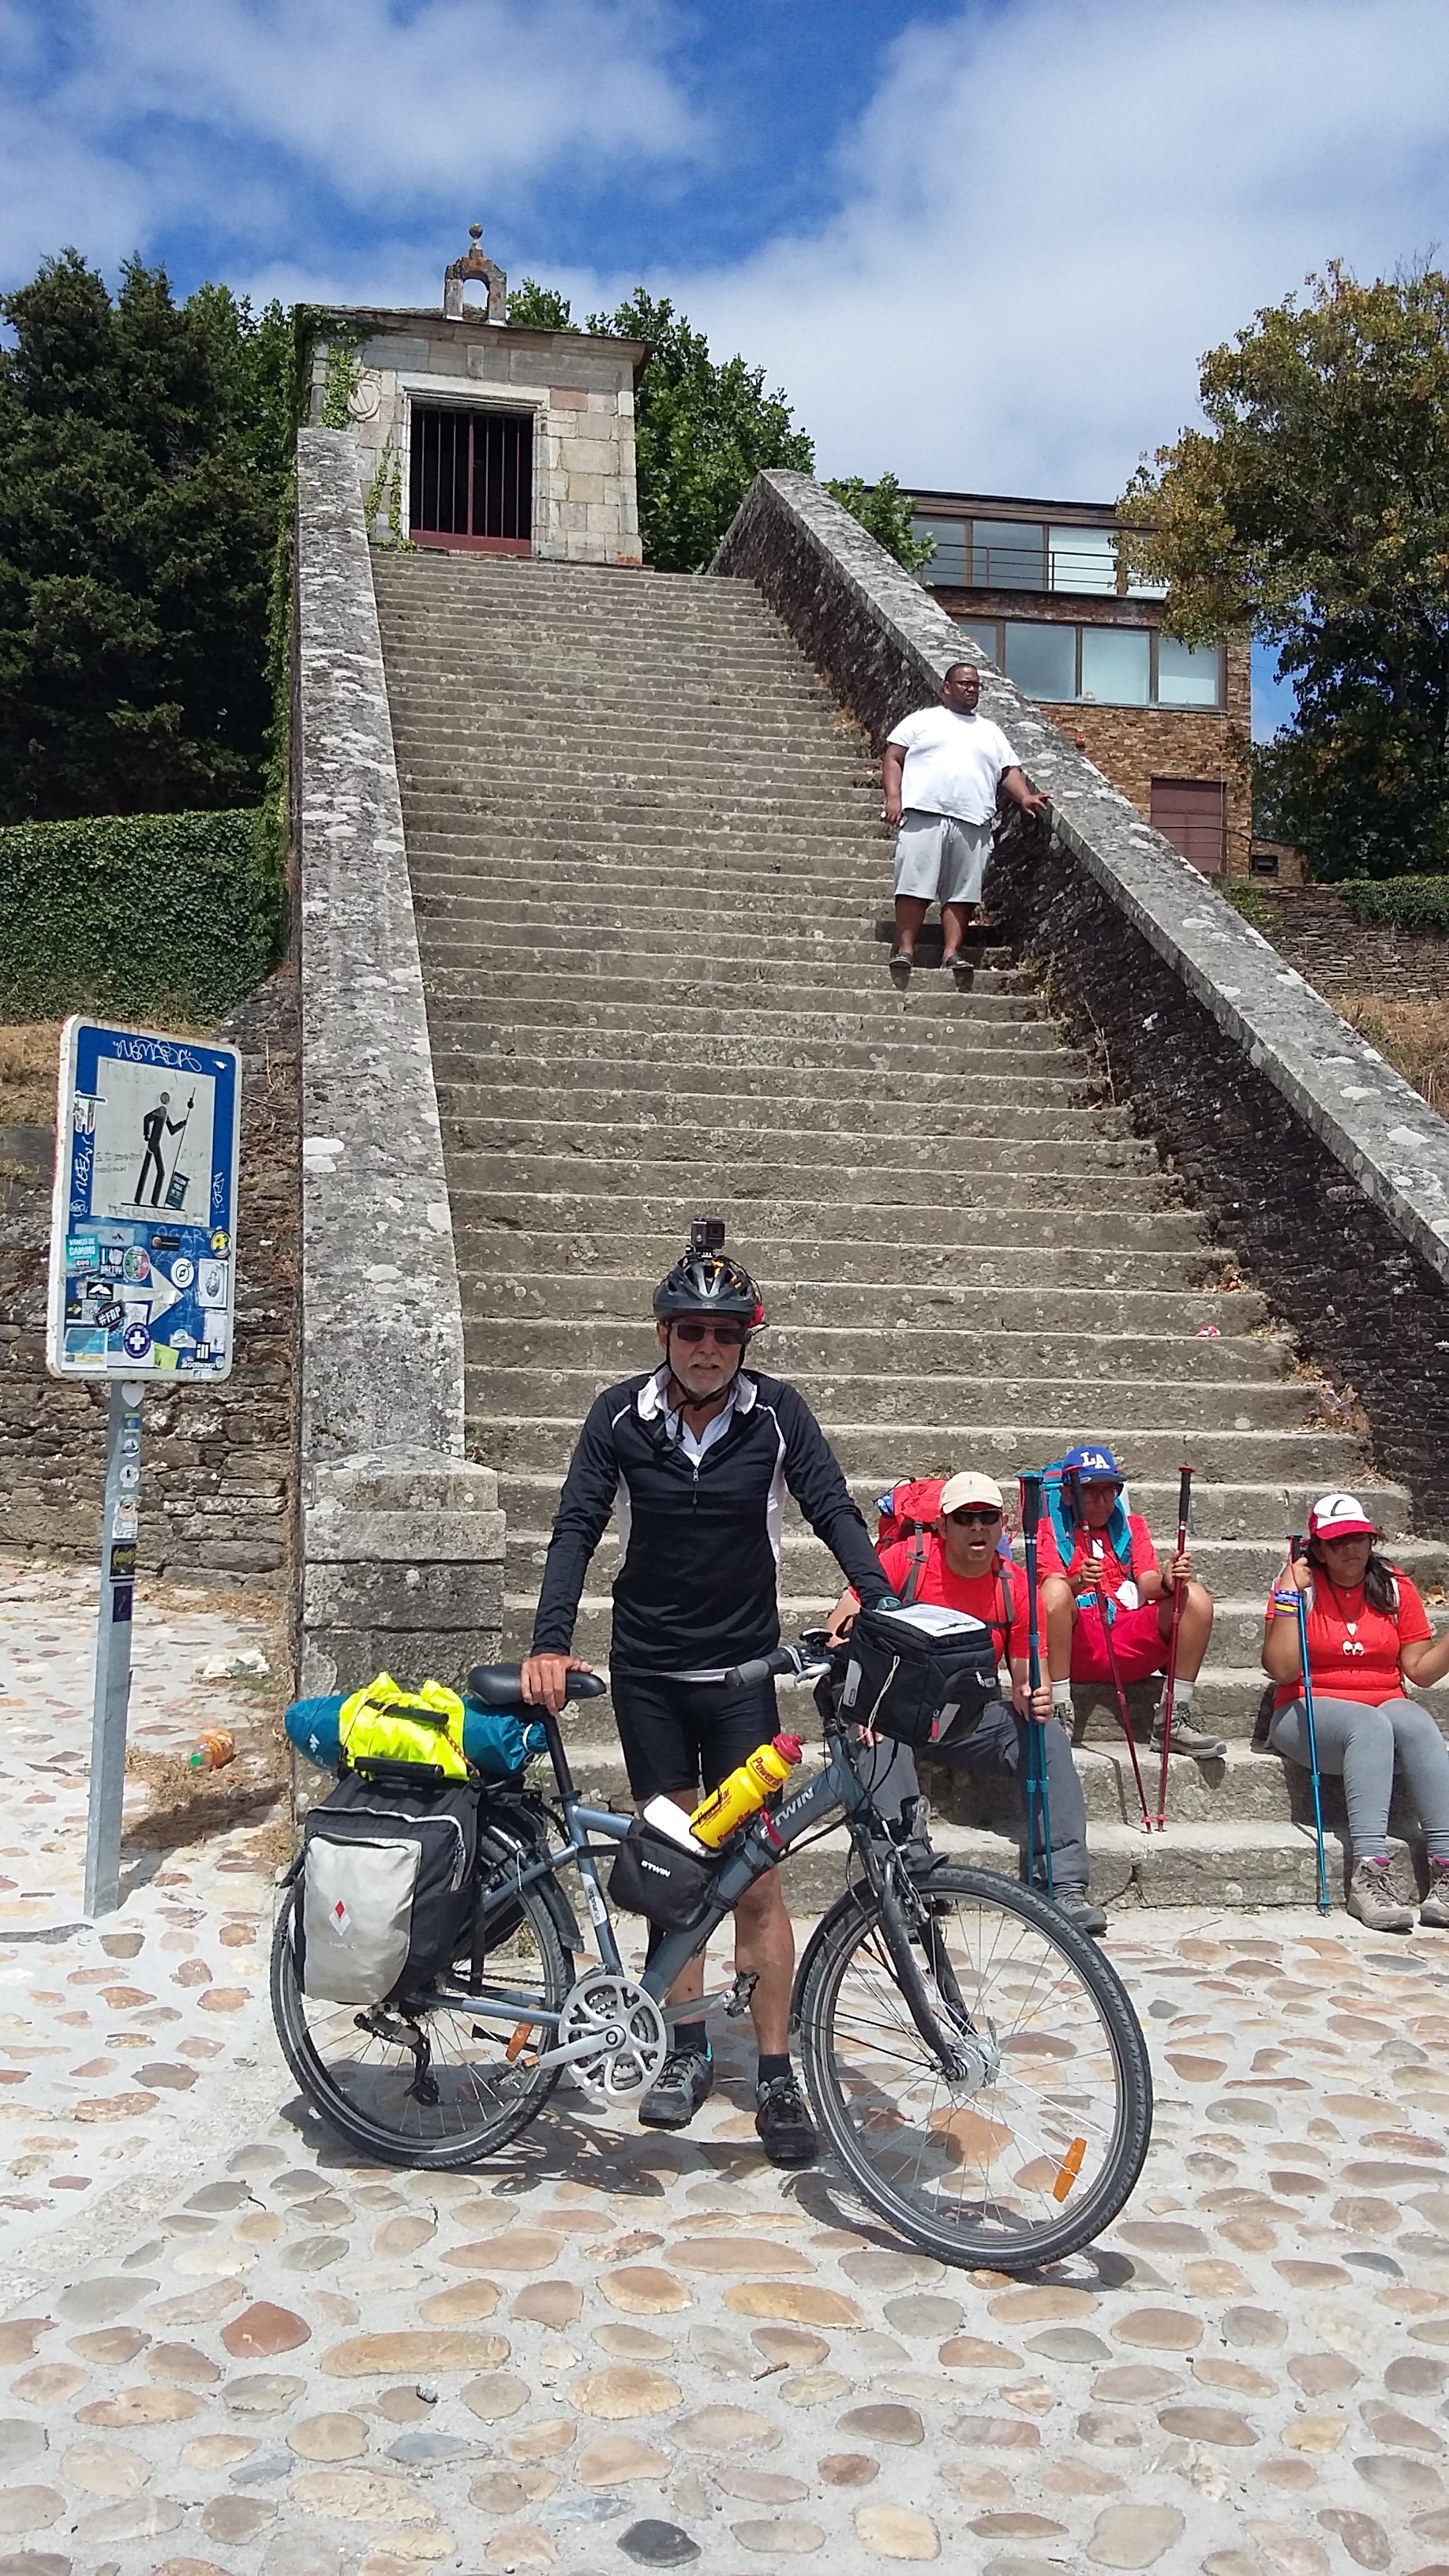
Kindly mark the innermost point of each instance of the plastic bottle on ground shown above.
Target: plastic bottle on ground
(213, 1749)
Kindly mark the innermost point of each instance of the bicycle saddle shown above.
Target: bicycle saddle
(501, 1685)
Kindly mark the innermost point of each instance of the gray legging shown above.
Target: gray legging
(1362, 1742)
(997, 1744)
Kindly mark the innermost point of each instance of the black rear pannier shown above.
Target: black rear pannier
(659, 1878)
(919, 1674)
(387, 1884)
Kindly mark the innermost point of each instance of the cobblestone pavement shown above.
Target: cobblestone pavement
(615, 2348)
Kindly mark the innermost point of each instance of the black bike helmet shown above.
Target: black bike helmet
(708, 1283)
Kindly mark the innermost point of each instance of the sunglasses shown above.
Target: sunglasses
(730, 1337)
(971, 1518)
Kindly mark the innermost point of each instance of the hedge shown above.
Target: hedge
(1404, 903)
(139, 913)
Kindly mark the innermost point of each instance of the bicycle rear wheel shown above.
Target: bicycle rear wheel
(465, 2098)
(1042, 2157)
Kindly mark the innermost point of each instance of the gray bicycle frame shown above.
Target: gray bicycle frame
(836, 1790)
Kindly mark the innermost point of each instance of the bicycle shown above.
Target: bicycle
(971, 2057)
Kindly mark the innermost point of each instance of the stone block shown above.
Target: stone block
(588, 489)
(582, 456)
(571, 398)
(410, 1597)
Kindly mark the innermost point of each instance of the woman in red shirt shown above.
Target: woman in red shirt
(1367, 1635)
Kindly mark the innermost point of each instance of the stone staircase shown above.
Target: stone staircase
(652, 892)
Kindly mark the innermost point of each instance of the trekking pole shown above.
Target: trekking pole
(1169, 1687)
(1124, 1713)
(1325, 1901)
(1037, 1799)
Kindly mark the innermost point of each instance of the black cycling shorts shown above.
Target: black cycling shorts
(688, 1735)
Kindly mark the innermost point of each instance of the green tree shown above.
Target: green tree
(703, 432)
(887, 514)
(1314, 509)
(145, 449)
(540, 308)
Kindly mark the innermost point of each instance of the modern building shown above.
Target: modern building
(479, 435)
(1041, 587)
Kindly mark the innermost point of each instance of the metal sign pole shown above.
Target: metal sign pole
(113, 1648)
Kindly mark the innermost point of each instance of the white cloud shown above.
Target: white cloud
(141, 115)
(1050, 211)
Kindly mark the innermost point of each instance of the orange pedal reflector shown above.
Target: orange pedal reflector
(1070, 2167)
(519, 2042)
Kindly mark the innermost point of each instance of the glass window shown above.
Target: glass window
(1138, 587)
(1042, 660)
(1082, 558)
(1006, 554)
(1188, 675)
(1116, 665)
(948, 563)
(980, 633)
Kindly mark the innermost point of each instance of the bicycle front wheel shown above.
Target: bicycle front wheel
(470, 2095)
(1036, 2161)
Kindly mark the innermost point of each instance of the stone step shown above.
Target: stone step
(736, 1110)
(1254, 1458)
(469, 898)
(540, 736)
(1094, 1175)
(1237, 1571)
(843, 955)
(834, 855)
(725, 1144)
(788, 1271)
(707, 1071)
(886, 1020)
(674, 1055)
(1075, 1406)
(972, 1305)
(923, 1356)
(1223, 1513)
(683, 981)
(648, 864)
(1237, 1641)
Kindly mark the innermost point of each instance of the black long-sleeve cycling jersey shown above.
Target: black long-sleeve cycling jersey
(696, 1589)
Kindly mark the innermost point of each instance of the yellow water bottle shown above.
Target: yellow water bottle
(745, 1791)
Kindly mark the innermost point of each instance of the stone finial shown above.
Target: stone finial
(473, 264)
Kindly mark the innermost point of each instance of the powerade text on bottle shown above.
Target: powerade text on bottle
(746, 1790)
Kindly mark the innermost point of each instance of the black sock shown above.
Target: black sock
(691, 2035)
(770, 2067)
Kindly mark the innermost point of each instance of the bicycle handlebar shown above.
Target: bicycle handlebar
(764, 1668)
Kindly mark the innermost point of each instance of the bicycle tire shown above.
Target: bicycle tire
(872, 2095)
(516, 2092)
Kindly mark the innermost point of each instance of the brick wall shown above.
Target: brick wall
(218, 1486)
(1134, 745)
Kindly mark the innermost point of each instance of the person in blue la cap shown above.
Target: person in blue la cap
(1104, 1554)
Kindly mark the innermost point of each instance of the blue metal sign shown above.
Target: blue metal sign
(143, 1223)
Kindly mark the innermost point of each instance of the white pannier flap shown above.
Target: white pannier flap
(357, 1916)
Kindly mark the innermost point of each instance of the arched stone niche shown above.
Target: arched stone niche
(487, 271)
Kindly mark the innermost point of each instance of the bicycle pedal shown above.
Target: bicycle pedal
(741, 1994)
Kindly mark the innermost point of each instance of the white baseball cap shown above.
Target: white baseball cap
(959, 1492)
(1340, 1516)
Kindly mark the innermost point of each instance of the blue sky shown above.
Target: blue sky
(980, 242)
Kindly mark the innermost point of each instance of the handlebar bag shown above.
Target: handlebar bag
(387, 1885)
(919, 1674)
(655, 1876)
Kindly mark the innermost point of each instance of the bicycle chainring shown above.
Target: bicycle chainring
(632, 2034)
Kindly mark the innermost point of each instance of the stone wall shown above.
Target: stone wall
(579, 387)
(1325, 1170)
(1318, 934)
(219, 1462)
(402, 1542)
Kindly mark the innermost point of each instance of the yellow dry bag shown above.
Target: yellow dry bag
(385, 1723)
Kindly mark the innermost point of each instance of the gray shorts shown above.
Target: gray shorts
(941, 859)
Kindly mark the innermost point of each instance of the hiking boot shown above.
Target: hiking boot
(1434, 1912)
(1193, 1741)
(684, 2083)
(1374, 1898)
(783, 2123)
(1082, 1909)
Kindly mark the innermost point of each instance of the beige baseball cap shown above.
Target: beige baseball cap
(959, 1491)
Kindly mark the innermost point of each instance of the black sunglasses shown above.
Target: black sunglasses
(974, 1516)
(730, 1337)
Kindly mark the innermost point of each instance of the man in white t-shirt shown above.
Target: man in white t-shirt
(942, 772)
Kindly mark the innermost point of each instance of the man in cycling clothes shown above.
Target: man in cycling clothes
(696, 1457)
(960, 1567)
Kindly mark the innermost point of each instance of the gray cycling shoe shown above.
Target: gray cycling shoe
(1081, 1908)
(682, 2087)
